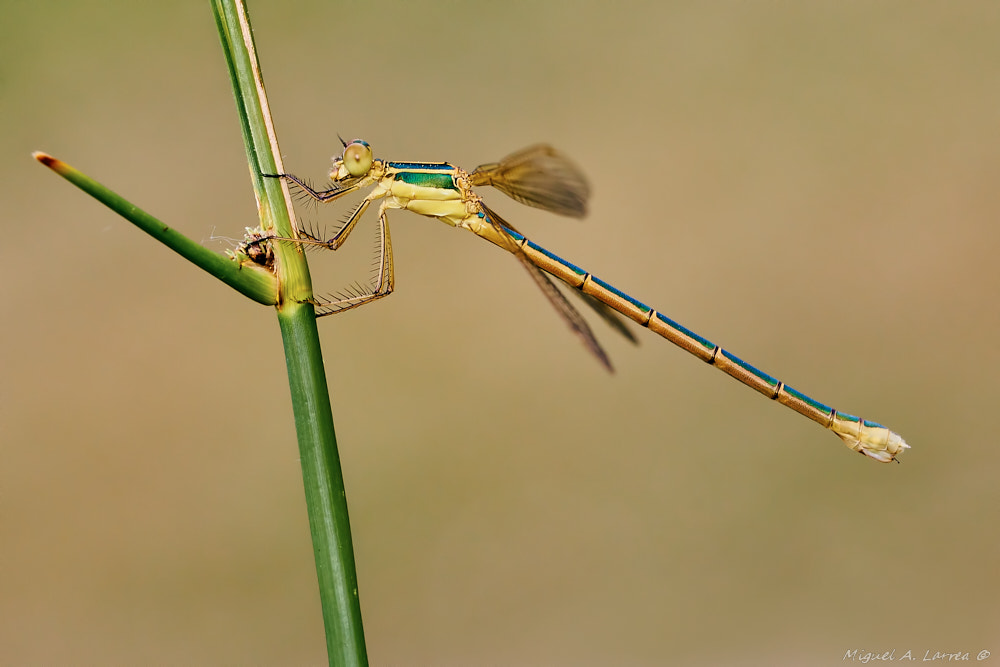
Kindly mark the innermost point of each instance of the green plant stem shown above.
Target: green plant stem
(324, 487)
(326, 499)
(289, 288)
(253, 281)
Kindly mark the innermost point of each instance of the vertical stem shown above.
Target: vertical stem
(326, 499)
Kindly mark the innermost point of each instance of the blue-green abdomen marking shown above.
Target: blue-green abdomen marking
(424, 166)
(425, 180)
(808, 400)
(772, 381)
(515, 235)
(551, 255)
(676, 326)
(620, 294)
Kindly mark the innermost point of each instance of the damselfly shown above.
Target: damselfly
(539, 176)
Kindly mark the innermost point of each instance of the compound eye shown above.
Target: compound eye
(358, 158)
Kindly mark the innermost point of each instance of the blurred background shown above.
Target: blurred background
(813, 186)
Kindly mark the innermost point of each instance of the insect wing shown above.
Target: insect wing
(538, 176)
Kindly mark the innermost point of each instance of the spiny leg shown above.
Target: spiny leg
(354, 295)
(345, 231)
(357, 295)
(305, 238)
(323, 196)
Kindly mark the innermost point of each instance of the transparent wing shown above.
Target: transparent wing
(569, 314)
(538, 176)
(573, 319)
(614, 319)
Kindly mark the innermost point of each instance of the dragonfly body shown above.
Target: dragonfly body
(435, 189)
(540, 177)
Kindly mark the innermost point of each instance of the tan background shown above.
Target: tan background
(816, 187)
